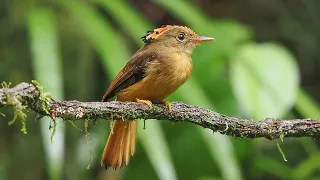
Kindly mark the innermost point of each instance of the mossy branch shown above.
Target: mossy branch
(30, 96)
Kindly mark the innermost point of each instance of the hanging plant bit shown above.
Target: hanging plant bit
(280, 150)
(54, 128)
(86, 126)
(72, 123)
(18, 108)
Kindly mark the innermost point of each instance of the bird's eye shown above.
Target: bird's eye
(180, 37)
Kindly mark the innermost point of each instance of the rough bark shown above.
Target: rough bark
(31, 97)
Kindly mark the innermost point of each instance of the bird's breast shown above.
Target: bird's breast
(162, 78)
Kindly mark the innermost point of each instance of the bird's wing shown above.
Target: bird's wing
(132, 73)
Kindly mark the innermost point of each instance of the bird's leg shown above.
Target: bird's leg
(167, 103)
(147, 102)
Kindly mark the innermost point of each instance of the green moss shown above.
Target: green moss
(18, 108)
(86, 126)
(45, 97)
(155, 109)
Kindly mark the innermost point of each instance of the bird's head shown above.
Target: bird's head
(176, 38)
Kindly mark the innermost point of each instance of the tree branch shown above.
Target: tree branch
(31, 96)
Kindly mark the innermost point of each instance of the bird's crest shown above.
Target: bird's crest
(154, 34)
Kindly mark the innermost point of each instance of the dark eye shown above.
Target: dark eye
(180, 37)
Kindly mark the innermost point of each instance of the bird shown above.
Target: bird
(154, 72)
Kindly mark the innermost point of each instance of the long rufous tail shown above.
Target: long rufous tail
(121, 144)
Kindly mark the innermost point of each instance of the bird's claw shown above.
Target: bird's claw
(168, 105)
(146, 102)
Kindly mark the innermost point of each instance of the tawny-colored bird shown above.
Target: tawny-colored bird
(153, 73)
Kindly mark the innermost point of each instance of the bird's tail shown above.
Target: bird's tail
(121, 144)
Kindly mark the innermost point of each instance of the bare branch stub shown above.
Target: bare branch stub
(269, 128)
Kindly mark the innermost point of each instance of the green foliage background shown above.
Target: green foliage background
(264, 63)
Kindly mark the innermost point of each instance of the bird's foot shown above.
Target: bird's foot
(146, 102)
(168, 104)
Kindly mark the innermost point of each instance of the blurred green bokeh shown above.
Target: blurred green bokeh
(264, 63)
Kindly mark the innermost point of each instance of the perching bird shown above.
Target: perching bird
(153, 73)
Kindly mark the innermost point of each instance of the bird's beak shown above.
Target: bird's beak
(201, 39)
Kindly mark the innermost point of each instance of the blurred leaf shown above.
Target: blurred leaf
(275, 167)
(309, 145)
(222, 150)
(308, 167)
(309, 109)
(209, 178)
(307, 106)
(132, 23)
(265, 80)
(47, 68)
(103, 37)
(3, 173)
(153, 141)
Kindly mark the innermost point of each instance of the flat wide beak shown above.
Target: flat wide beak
(202, 39)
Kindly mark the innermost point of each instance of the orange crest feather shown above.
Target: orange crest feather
(154, 34)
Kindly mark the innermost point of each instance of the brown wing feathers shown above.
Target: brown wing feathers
(132, 73)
